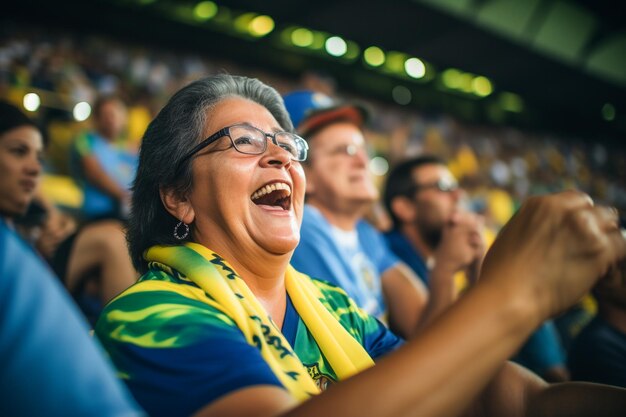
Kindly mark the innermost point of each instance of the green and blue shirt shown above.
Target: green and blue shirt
(177, 353)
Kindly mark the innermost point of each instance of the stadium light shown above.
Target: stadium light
(31, 102)
(336, 46)
(415, 68)
(608, 112)
(261, 26)
(401, 95)
(302, 37)
(482, 86)
(378, 166)
(81, 111)
(511, 102)
(205, 10)
(374, 56)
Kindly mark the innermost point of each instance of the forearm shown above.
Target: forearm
(423, 377)
(406, 298)
(573, 399)
(442, 294)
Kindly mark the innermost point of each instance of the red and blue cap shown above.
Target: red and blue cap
(310, 111)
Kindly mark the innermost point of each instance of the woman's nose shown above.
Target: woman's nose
(276, 155)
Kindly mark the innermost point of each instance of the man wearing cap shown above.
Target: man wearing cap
(336, 243)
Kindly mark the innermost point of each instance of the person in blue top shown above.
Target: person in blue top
(49, 366)
(104, 162)
(436, 237)
(336, 243)
(221, 324)
(598, 353)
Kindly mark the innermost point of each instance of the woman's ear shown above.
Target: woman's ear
(177, 205)
(404, 209)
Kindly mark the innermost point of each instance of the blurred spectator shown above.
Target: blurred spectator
(104, 162)
(438, 238)
(21, 159)
(525, 163)
(432, 233)
(598, 354)
(336, 243)
(46, 356)
(93, 261)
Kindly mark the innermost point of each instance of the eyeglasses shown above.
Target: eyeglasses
(249, 140)
(445, 185)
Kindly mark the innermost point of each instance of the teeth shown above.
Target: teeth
(266, 189)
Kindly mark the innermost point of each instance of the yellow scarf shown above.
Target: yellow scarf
(218, 280)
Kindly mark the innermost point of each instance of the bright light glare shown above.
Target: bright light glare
(465, 82)
(608, 112)
(31, 102)
(302, 37)
(482, 86)
(395, 62)
(353, 50)
(336, 46)
(261, 26)
(378, 166)
(401, 95)
(205, 10)
(451, 78)
(242, 22)
(81, 111)
(374, 56)
(415, 67)
(511, 102)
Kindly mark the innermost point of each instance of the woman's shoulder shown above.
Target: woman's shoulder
(159, 299)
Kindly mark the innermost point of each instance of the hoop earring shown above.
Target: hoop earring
(185, 233)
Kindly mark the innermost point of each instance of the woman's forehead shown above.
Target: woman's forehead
(239, 110)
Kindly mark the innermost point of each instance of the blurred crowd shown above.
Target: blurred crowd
(498, 166)
(472, 176)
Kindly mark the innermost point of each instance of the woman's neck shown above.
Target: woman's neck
(263, 273)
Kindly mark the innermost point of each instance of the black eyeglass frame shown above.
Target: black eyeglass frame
(226, 132)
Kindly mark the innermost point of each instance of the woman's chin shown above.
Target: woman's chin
(280, 244)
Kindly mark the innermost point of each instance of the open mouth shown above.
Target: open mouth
(277, 194)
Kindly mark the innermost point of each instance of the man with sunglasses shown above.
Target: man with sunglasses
(431, 232)
(336, 243)
(439, 240)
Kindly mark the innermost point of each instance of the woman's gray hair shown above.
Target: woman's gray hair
(177, 128)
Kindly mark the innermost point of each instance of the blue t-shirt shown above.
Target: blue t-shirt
(178, 353)
(598, 354)
(404, 250)
(117, 161)
(355, 266)
(49, 366)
